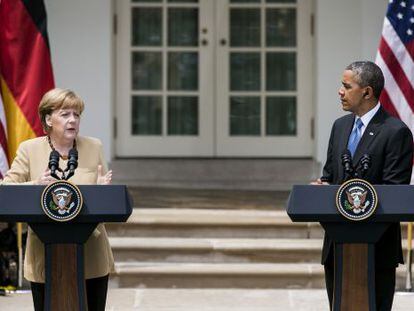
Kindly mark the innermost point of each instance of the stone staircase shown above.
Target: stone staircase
(230, 246)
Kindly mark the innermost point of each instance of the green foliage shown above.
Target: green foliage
(348, 205)
(52, 205)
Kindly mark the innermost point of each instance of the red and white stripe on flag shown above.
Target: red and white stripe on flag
(395, 57)
(4, 163)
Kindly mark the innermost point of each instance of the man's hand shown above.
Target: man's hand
(319, 182)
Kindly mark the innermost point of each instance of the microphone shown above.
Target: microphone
(365, 162)
(347, 164)
(54, 163)
(72, 162)
(73, 159)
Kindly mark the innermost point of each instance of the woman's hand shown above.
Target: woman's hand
(104, 179)
(45, 178)
(319, 182)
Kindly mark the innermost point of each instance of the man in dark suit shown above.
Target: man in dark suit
(368, 129)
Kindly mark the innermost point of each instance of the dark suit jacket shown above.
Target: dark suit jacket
(389, 142)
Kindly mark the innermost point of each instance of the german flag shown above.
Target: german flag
(25, 71)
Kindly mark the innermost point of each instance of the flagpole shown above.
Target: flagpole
(20, 254)
(408, 281)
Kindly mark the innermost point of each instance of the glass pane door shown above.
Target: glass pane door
(264, 73)
(214, 78)
(166, 47)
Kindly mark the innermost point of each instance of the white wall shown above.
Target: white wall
(80, 34)
(345, 31)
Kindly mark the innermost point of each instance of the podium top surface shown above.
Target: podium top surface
(317, 203)
(108, 203)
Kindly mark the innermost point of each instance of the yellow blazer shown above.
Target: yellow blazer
(31, 161)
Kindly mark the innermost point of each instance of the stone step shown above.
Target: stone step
(208, 198)
(215, 173)
(212, 223)
(202, 250)
(196, 275)
(229, 275)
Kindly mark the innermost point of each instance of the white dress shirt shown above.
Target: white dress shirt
(366, 118)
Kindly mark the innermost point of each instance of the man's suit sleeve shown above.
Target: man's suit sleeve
(327, 174)
(399, 158)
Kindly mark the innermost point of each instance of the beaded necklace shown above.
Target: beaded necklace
(63, 157)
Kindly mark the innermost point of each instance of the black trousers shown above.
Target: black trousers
(96, 290)
(384, 286)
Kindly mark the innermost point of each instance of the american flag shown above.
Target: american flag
(4, 164)
(396, 58)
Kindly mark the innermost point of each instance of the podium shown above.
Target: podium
(354, 241)
(64, 264)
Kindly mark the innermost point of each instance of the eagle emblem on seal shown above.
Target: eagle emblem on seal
(62, 199)
(357, 199)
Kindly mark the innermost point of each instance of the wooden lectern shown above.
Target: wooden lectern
(354, 250)
(65, 283)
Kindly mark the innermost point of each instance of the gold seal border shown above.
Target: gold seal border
(67, 183)
(369, 186)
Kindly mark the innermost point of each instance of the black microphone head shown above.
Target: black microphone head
(346, 157)
(366, 157)
(73, 159)
(54, 154)
(54, 160)
(73, 153)
(366, 161)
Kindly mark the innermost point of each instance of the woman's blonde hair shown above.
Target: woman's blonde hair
(57, 99)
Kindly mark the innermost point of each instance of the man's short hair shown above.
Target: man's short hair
(368, 74)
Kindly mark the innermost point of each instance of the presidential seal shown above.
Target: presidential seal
(356, 199)
(61, 201)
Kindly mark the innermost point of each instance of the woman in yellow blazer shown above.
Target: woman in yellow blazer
(60, 112)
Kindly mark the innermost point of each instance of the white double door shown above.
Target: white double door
(214, 78)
